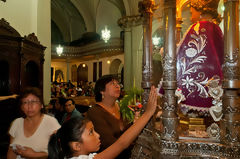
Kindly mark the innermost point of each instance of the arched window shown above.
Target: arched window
(82, 73)
(114, 67)
(59, 76)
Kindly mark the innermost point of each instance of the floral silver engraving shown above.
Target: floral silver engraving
(215, 91)
(214, 131)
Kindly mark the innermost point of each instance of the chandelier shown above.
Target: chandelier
(106, 34)
(59, 50)
(156, 40)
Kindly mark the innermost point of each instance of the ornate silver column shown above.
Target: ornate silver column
(230, 125)
(143, 146)
(169, 114)
(146, 8)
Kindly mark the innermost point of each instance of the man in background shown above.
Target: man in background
(71, 111)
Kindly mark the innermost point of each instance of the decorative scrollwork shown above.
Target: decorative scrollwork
(145, 96)
(231, 67)
(169, 68)
(42, 59)
(143, 146)
(231, 109)
(130, 21)
(214, 131)
(169, 133)
(147, 6)
(231, 138)
(33, 38)
(200, 149)
(233, 133)
(168, 107)
(147, 72)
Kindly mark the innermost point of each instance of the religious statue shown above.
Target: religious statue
(199, 59)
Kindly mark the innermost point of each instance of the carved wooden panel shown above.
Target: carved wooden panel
(23, 57)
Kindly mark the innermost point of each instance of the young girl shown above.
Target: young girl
(77, 139)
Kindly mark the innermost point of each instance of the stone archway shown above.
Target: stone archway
(114, 67)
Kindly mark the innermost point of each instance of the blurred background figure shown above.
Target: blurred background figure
(56, 108)
(29, 134)
(71, 111)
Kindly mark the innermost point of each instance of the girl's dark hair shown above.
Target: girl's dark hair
(71, 131)
(34, 91)
(101, 85)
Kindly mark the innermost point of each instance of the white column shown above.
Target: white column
(137, 53)
(44, 35)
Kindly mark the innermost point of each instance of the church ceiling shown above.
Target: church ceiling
(120, 5)
(73, 18)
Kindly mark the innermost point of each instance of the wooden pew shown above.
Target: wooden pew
(84, 100)
(83, 103)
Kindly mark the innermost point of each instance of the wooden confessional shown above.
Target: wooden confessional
(21, 65)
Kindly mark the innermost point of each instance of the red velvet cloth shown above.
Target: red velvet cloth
(200, 57)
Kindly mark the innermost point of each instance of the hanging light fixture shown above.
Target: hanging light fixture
(106, 34)
(59, 50)
(156, 40)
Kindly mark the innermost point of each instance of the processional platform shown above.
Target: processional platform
(150, 146)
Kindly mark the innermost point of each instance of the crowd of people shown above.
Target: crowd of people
(64, 132)
(68, 89)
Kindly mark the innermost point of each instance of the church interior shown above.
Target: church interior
(44, 43)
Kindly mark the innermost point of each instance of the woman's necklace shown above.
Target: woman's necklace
(114, 111)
